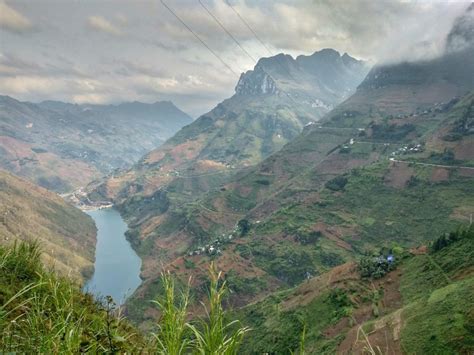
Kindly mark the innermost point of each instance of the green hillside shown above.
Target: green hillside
(29, 212)
(321, 201)
(421, 303)
(423, 306)
(364, 176)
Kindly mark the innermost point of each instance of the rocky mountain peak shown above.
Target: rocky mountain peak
(326, 71)
(256, 82)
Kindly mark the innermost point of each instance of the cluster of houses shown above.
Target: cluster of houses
(81, 200)
(214, 248)
(436, 108)
(320, 104)
(408, 149)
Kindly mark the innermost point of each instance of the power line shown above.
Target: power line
(264, 45)
(233, 38)
(258, 38)
(198, 38)
(226, 31)
(250, 28)
(243, 49)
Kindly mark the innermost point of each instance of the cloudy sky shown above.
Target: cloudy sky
(99, 51)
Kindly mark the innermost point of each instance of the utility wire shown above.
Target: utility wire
(245, 51)
(258, 38)
(250, 28)
(226, 31)
(198, 38)
(264, 45)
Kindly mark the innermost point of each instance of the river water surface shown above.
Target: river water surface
(117, 266)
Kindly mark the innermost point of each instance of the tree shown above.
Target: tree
(244, 227)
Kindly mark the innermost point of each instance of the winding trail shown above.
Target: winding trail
(435, 165)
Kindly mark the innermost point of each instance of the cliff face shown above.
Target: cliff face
(325, 76)
(256, 82)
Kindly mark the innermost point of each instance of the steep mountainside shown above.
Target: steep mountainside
(271, 105)
(66, 234)
(344, 185)
(294, 217)
(63, 146)
(424, 306)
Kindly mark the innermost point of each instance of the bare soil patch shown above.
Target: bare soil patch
(398, 175)
(439, 174)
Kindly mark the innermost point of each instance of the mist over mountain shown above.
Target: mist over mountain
(461, 35)
(63, 146)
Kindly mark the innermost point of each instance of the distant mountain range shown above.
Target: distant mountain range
(62, 146)
(271, 105)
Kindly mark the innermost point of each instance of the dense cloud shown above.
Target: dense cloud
(137, 50)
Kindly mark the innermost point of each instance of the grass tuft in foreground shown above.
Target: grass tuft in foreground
(41, 312)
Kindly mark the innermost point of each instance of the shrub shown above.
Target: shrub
(449, 238)
(375, 266)
(244, 227)
(337, 184)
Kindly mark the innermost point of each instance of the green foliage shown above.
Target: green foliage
(337, 184)
(391, 132)
(215, 335)
(292, 266)
(446, 157)
(173, 336)
(189, 264)
(305, 236)
(446, 239)
(244, 227)
(43, 313)
(249, 286)
(375, 266)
